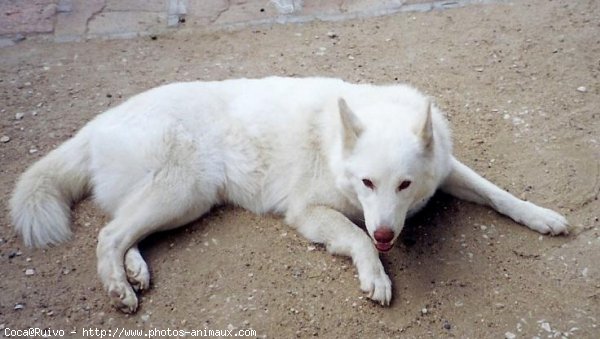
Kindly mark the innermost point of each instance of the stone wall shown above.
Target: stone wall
(74, 20)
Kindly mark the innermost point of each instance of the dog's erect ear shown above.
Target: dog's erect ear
(351, 127)
(426, 133)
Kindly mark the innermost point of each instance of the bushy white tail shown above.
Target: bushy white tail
(41, 203)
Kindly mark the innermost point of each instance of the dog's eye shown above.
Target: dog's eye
(368, 183)
(404, 185)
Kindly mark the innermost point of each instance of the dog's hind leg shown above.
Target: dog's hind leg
(465, 184)
(324, 225)
(167, 200)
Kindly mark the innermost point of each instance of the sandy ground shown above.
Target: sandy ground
(506, 74)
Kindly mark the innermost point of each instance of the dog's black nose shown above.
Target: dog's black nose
(383, 235)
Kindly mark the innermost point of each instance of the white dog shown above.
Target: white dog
(319, 151)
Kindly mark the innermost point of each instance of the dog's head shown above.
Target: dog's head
(388, 163)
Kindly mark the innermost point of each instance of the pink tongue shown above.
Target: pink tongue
(383, 247)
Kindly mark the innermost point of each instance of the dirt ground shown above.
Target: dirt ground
(509, 77)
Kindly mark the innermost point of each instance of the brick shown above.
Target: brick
(201, 13)
(31, 16)
(221, 12)
(176, 9)
(287, 7)
(352, 6)
(244, 11)
(321, 7)
(138, 5)
(126, 24)
(71, 25)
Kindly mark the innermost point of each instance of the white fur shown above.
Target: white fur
(297, 147)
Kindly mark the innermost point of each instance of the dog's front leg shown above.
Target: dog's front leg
(324, 225)
(464, 183)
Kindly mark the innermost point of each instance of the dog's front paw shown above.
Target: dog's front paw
(376, 283)
(544, 220)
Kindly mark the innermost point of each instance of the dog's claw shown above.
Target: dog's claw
(123, 297)
(138, 277)
(136, 270)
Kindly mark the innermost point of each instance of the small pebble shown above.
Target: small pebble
(582, 89)
(510, 335)
(19, 116)
(29, 271)
(424, 311)
(447, 325)
(145, 317)
(19, 307)
(546, 327)
(5, 139)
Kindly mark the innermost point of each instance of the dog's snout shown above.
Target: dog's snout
(383, 235)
